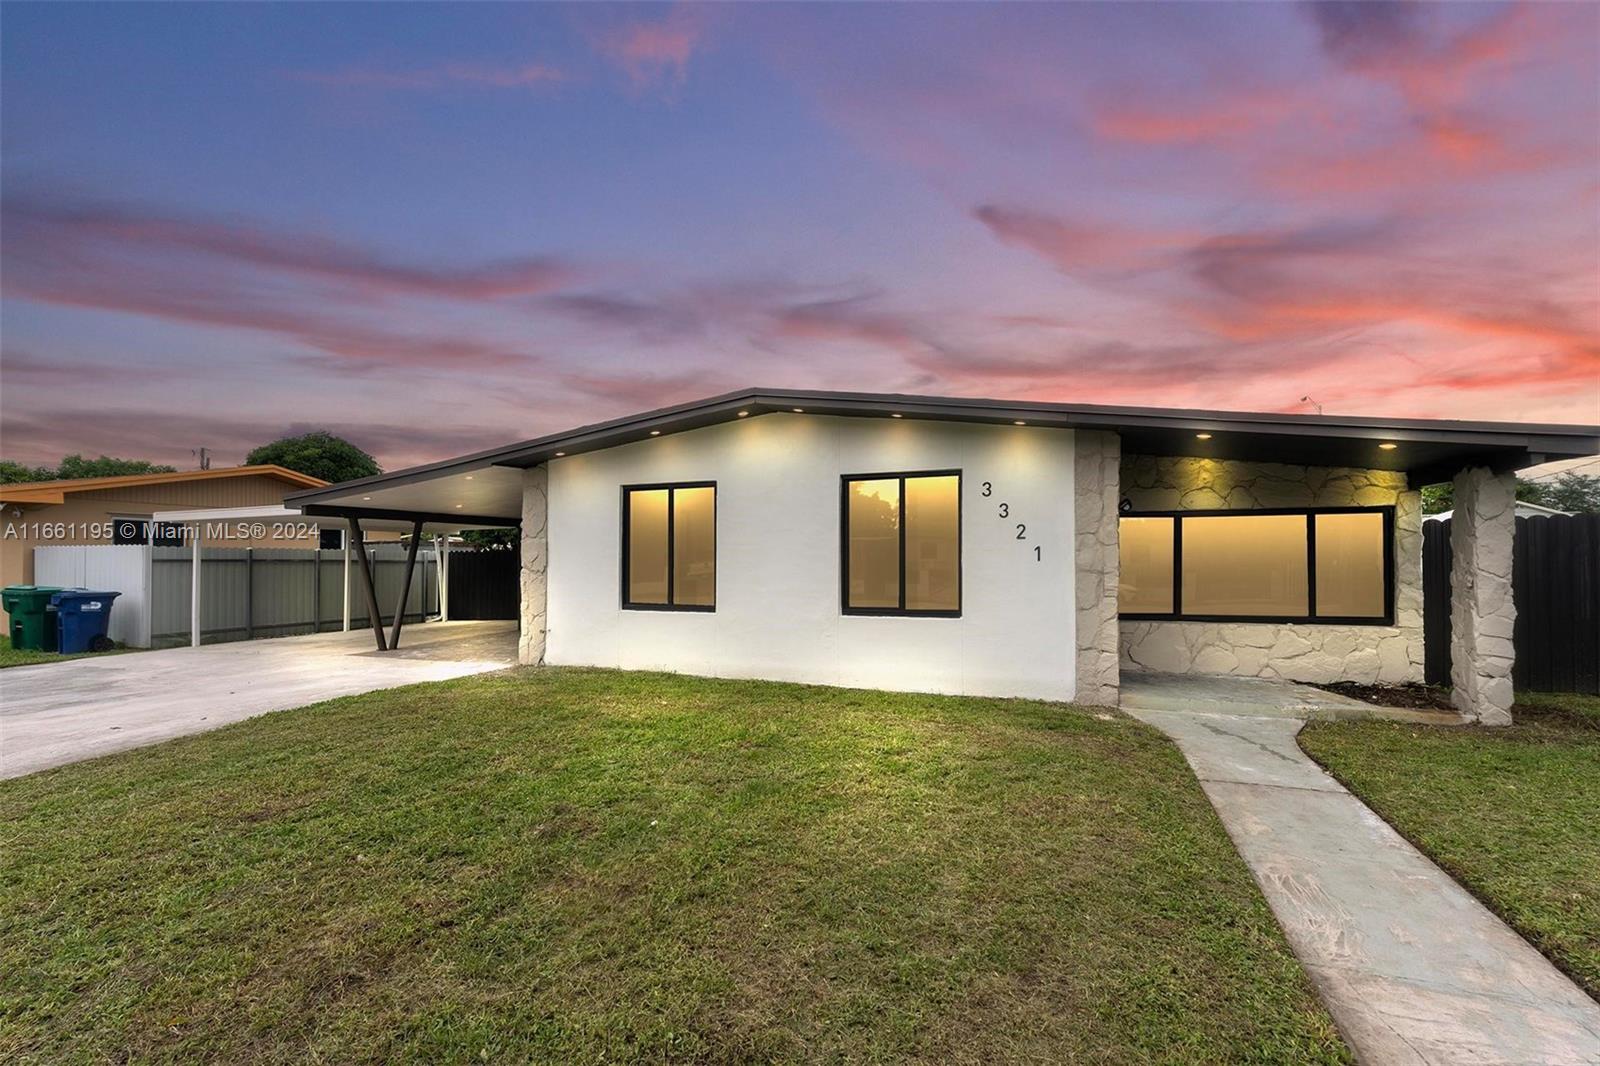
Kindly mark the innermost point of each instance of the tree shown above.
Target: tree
(319, 454)
(1572, 491)
(14, 473)
(489, 538)
(1577, 493)
(76, 466)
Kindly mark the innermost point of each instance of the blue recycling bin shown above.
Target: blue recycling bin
(82, 617)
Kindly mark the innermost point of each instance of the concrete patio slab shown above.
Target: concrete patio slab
(58, 713)
(1259, 697)
(1413, 968)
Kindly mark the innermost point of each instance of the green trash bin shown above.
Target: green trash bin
(31, 628)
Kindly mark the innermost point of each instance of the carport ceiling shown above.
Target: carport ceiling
(487, 491)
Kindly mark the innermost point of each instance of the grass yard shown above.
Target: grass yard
(585, 866)
(10, 656)
(1510, 813)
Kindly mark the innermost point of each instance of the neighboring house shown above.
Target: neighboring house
(116, 510)
(1524, 510)
(988, 547)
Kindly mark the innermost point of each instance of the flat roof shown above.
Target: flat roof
(1427, 450)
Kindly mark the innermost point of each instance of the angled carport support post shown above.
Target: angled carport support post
(405, 584)
(366, 582)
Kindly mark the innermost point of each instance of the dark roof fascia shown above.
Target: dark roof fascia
(1537, 439)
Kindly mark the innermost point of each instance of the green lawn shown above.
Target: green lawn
(572, 865)
(1513, 814)
(10, 656)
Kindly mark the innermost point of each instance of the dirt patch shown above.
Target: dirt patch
(1427, 697)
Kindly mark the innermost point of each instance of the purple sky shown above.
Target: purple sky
(433, 229)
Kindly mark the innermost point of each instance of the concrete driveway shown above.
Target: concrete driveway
(1412, 967)
(58, 713)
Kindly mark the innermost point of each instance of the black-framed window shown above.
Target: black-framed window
(330, 538)
(669, 546)
(138, 530)
(900, 543)
(1332, 565)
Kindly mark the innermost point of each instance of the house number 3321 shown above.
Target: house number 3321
(1003, 510)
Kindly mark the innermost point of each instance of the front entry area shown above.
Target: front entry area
(1411, 966)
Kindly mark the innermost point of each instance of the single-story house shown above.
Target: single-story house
(117, 510)
(991, 547)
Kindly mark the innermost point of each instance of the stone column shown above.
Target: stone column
(535, 564)
(1097, 484)
(1481, 607)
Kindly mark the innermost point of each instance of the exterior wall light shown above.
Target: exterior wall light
(1019, 423)
(655, 433)
(1202, 436)
(798, 410)
(1388, 445)
(560, 454)
(896, 414)
(366, 497)
(744, 414)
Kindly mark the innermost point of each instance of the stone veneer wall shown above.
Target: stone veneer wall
(1483, 611)
(535, 564)
(1096, 475)
(1316, 653)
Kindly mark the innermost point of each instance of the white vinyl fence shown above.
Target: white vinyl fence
(123, 568)
(245, 593)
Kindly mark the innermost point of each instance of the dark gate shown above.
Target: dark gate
(1555, 577)
(483, 583)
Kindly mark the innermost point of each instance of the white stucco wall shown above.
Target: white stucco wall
(778, 613)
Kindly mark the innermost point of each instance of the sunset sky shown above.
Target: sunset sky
(433, 229)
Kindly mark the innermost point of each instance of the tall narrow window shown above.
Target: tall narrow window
(1146, 570)
(902, 544)
(1350, 565)
(669, 547)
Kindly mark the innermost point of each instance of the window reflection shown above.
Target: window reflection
(874, 535)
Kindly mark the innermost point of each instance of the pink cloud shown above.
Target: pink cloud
(238, 276)
(44, 225)
(1073, 245)
(654, 53)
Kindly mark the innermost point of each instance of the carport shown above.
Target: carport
(359, 521)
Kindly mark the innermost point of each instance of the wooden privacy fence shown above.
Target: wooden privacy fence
(277, 592)
(483, 583)
(1555, 578)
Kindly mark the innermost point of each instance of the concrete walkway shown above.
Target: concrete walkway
(58, 713)
(1412, 967)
